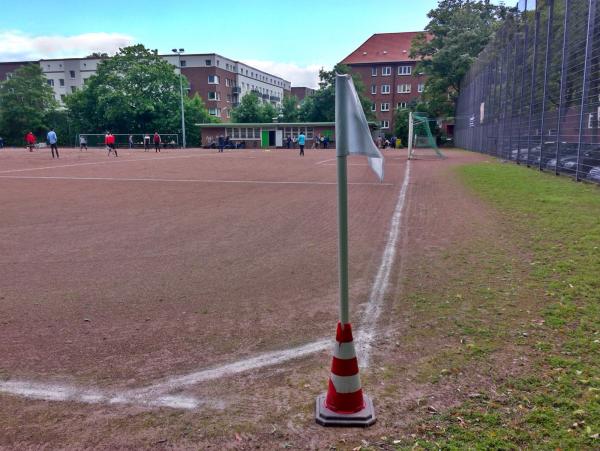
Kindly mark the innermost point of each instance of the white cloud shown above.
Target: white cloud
(298, 75)
(16, 45)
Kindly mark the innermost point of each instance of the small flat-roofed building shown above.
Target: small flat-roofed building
(265, 135)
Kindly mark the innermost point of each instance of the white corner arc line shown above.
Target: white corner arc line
(374, 306)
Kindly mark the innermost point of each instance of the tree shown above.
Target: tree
(136, 91)
(320, 107)
(252, 109)
(457, 32)
(26, 100)
(195, 113)
(289, 109)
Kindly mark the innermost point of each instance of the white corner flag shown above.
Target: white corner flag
(352, 133)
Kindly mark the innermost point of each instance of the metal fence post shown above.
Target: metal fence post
(563, 77)
(546, 65)
(522, 94)
(533, 76)
(586, 79)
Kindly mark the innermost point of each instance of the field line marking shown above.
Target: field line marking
(128, 179)
(325, 161)
(241, 366)
(61, 392)
(124, 160)
(372, 312)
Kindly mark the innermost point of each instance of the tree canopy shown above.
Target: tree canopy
(136, 91)
(320, 107)
(26, 101)
(252, 109)
(458, 30)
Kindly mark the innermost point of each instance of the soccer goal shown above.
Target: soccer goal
(421, 142)
(167, 140)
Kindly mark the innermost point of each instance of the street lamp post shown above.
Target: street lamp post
(179, 52)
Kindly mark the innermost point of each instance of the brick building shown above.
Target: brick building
(301, 92)
(220, 81)
(388, 72)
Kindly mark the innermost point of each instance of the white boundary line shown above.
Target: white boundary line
(126, 160)
(375, 304)
(154, 395)
(325, 161)
(127, 179)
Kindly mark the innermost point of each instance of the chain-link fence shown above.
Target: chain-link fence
(533, 95)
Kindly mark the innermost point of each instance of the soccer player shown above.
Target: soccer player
(109, 140)
(52, 140)
(146, 142)
(30, 140)
(156, 142)
(82, 143)
(301, 143)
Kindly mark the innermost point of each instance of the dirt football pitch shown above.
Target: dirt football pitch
(188, 298)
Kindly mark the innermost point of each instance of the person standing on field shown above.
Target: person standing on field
(53, 141)
(109, 140)
(301, 143)
(146, 142)
(156, 142)
(30, 140)
(82, 143)
(130, 140)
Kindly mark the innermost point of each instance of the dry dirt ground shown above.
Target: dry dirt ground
(119, 273)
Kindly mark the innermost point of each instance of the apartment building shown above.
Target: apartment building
(220, 81)
(301, 92)
(388, 73)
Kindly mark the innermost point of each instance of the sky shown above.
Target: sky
(291, 39)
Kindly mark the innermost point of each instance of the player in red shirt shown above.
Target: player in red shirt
(30, 140)
(109, 140)
(156, 142)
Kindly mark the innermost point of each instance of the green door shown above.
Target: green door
(265, 139)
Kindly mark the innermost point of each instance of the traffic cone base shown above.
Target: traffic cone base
(363, 418)
(345, 403)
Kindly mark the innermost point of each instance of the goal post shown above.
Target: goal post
(420, 139)
(168, 140)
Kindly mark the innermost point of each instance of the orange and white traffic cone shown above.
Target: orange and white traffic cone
(344, 404)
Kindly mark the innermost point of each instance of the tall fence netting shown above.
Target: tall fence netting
(533, 95)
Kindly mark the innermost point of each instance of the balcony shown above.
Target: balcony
(265, 96)
(236, 90)
(274, 98)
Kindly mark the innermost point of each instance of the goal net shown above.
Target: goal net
(421, 142)
(167, 140)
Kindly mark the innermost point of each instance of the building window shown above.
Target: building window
(228, 82)
(183, 63)
(214, 112)
(404, 70)
(373, 71)
(208, 62)
(387, 70)
(373, 89)
(73, 89)
(72, 73)
(404, 89)
(385, 124)
(213, 79)
(385, 89)
(212, 95)
(374, 107)
(61, 81)
(62, 97)
(385, 107)
(50, 82)
(420, 87)
(402, 106)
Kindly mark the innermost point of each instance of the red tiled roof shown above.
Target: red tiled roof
(383, 48)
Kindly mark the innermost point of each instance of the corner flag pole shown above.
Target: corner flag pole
(344, 404)
(342, 192)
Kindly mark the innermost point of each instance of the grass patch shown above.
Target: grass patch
(556, 405)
